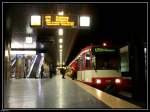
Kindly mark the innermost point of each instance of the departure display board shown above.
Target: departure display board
(59, 21)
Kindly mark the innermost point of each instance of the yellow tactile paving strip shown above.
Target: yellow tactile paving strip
(108, 99)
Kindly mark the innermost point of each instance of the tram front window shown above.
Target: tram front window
(107, 61)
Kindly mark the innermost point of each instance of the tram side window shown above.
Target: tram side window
(81, 62)
(93, 62)
(88, 60)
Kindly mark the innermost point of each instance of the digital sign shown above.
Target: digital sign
(99, 50)
(55, 20)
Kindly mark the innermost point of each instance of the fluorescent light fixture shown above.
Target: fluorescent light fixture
(28, 40)
(60, 46)
(6, 53)
(60, 40)
(84, 21)
(60, 31)
(35, 20)
(21, 44)
(61, 13)
(42, 54)
(16, 44)
(60, 50)
(27, 45)
(29, 30)
(22, 52)
(145, 50)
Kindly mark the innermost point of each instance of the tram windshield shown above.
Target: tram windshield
(104, 60)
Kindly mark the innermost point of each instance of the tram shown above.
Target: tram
(99, 67)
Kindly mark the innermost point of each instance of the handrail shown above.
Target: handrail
(29, 73)
(39, 67)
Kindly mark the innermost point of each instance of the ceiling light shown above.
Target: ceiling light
(60, 50)
(84, 21)
(22, 52)
(35, 20)
(61, 13)
(60, 40)
(60, 46)
(60, 32)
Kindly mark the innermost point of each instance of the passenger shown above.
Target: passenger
(105, 65)
(42, 71)
(74, 71)
(63, 73)
(51, 71)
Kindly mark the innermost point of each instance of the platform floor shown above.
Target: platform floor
(48, 93)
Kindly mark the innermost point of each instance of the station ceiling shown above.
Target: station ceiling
(113, 23)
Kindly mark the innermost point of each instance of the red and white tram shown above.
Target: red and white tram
(99, 67)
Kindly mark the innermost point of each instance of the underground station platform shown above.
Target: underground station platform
(59, 93)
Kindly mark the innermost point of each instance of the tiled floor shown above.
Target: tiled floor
(48, 93)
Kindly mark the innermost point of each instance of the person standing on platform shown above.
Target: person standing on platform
(42, 71)
(74, 71)
(51, 70)
(63, 73)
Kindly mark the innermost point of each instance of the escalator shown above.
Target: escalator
(36, 67)
(26, 66)
(30, 68)
(13, 67)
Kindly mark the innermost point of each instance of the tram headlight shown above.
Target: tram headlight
(117, 81)
(98, 81)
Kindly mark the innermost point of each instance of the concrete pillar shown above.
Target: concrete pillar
(137, 69)
(6, 64)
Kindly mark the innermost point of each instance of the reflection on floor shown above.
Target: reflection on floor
(48, 93)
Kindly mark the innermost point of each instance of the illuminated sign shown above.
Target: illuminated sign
(63, 21)
(35, 20)
(96, 50)
(58, 21)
